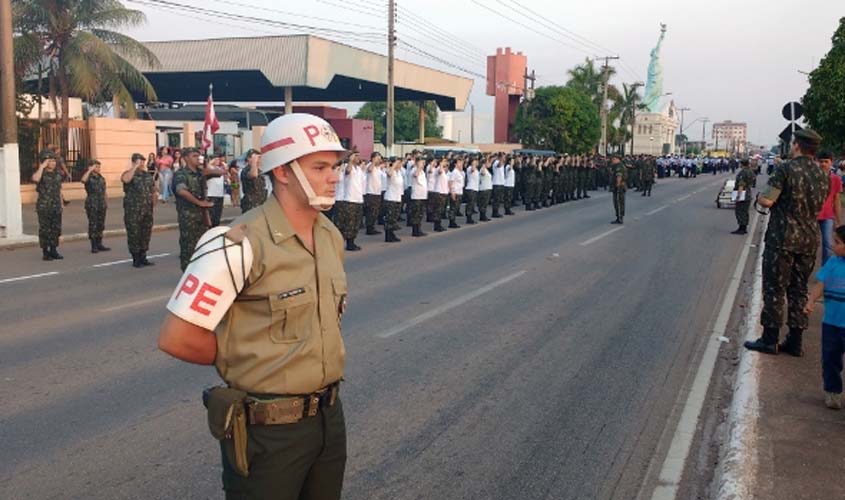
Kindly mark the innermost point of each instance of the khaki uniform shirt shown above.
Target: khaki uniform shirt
(282, 335)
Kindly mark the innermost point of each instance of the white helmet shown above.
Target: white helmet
(290, 137)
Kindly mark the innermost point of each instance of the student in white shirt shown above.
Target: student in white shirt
(485, 189)
(441, 194)
(419, 196)
(354, 206)
(498, 168)
(372, 196)
(510, 185)
(472, 177)
(407, 170)
(393, 200)
(456, 192)
(432, 189)
(339, 198)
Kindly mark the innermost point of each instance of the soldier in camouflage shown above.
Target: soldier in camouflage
(647, 171)
(795, 194)
(48, 182)
(191, 205)
(744, 182)
(620, 179)
(140, 192)
(95, 205)
(253, 183)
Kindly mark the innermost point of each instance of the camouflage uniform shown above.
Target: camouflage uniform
(95, 205)
(49, 208)
(792, 239)
(416, 210)
(255, 190)
(138, 211)
(647, 174)
(530, 179)
(372, 206)
(619, 172)
(191, 217)
(391, 215)
(350, 219)
(745, 180)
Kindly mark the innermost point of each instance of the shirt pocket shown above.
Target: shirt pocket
(339, 289)
(292, 314)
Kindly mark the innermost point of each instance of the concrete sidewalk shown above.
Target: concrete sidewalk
(75, 222)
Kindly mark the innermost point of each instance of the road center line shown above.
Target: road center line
(676, 457)
(602, 235)
(29, 277)
(124, 261)
(136, 303)
(401, 327)
(657, 210)
(682, 198)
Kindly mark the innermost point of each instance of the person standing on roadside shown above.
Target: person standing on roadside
(191, 205)
(619, 187)
(744, 183)
(254, 187)
(164, 166)
(140, 193)
(48, 185)
(830, 216)
(795, 194)
(95, 205)
(215, 171)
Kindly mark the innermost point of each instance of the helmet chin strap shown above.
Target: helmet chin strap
(321, 203)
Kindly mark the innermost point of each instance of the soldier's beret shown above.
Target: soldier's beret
(46, 154)
(810, 136)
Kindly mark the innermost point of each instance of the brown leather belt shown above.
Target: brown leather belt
(289, 409)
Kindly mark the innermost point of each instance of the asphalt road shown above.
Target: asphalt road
(537, 356)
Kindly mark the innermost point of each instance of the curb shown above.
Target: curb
(32, 241)
(736, 474)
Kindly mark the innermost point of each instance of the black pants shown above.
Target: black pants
(301, 461)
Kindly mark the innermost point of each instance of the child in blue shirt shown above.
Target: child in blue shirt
(831, 284)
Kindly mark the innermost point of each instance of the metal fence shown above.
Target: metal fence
(74, 146)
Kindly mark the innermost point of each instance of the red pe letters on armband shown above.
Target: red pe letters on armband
(202, 293)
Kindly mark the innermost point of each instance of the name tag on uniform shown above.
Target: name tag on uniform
(291, 293)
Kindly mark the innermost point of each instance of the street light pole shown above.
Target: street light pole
(391, 44)
(683, 137)
(11, 220)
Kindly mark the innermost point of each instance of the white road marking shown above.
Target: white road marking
(124, 261)
(602, 235)
(682, 198)
(136, 303)
(401, 327)
(657, 210)
(31, 276)
(676, 457)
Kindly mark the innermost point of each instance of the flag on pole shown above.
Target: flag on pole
(211, 124)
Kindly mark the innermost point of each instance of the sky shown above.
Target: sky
(733, 60)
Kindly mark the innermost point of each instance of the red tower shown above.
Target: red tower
(506, 81)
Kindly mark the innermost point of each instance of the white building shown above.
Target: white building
(730, 136)
(654, 133)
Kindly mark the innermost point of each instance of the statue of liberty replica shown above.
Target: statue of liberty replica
(654, 85)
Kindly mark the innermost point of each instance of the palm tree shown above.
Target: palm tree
(590, 79)
(74, 43)
(625, 108)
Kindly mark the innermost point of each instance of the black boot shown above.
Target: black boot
(102, 247)
(389, 237)
(496, 214)
(45, 254)
(509, 212)
(740, 230)
(792, 343)
(484, 217)
(94, 247)
(372, 230)
(136, 260)
(470, 220)
(438, 226)
(351, 246)
(54, 253)
(417, 232)
(617, 221)
(142, 258)
(767, 344)
(454, 225)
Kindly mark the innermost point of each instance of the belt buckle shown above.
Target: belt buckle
(313, 404)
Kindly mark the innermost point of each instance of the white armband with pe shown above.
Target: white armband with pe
(217, 273)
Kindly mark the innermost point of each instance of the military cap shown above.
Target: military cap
(191, 150)
(808, 136)
(46, 154)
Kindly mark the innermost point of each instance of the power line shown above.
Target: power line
(473, 61)
(562, 29)
(277, 11)
(451, 42)
(587, 49)
(359, 10)
(433, 27)
(450, 64)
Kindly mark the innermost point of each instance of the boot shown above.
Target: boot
(372, 230)
(740, 230)
(767, 344)
(417, 232)
(94, 247)
(438, 227)
(389, 237)
(586, 195)
(351, 246)
(529, 207)
(509, 212)
(102, 247)
(792, 343)
(54, 253)
(454, 225)
(136, 260)
(470, 220)
(46, 255)
(484, 217)
(496, 214)
(617, 221)
(142, 258)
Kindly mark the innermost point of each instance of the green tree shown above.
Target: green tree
(73, 43)
(625, 108)
(824, 102)
(406, 120)
(559, 118)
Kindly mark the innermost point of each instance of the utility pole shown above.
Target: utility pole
(606, 69)
(11, 220)
(683, 137)
(391, 45)
(528, 92)
(634, 87)
(471, 123)
(704, 123)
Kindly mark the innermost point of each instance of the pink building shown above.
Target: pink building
(354, 134)
(505, 81)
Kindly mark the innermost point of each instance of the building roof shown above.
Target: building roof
(258, 69)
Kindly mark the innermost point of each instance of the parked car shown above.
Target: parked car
(723, 199)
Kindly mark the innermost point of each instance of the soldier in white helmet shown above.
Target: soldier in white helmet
(263, 301)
